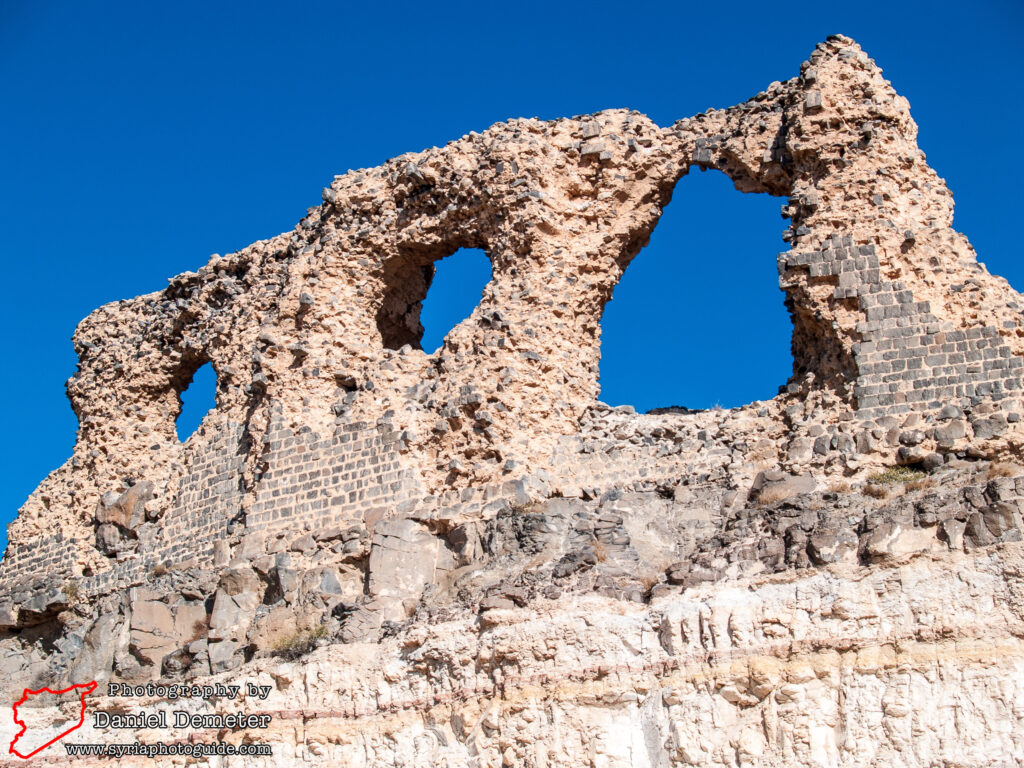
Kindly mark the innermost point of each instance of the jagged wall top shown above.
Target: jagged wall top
(891, 310)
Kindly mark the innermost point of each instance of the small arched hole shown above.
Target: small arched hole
(456, 289)
(197, 399)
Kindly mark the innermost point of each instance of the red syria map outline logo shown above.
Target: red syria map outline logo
(88, 688)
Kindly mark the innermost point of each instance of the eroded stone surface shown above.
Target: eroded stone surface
(573, 568)
(917, 663)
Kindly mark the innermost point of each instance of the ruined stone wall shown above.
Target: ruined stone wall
(348, 480)
(907, 359)
(356, 475)
(890, 307)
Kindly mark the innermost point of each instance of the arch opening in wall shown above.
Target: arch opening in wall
(198, 397)
(425, 301)
(698, 319)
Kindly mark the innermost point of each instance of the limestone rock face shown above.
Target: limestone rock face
(463, 558)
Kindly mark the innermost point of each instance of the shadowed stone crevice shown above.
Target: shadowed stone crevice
(828, 363)
(399, 316)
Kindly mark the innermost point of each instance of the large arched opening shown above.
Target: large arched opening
(698, 319)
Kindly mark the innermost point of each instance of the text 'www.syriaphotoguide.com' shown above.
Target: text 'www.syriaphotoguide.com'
(159, 749)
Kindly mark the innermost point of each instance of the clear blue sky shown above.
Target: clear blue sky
(137, 138)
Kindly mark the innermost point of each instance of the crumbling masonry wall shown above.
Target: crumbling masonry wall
(328, 412)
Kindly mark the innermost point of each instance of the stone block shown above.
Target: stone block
(403, 556)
